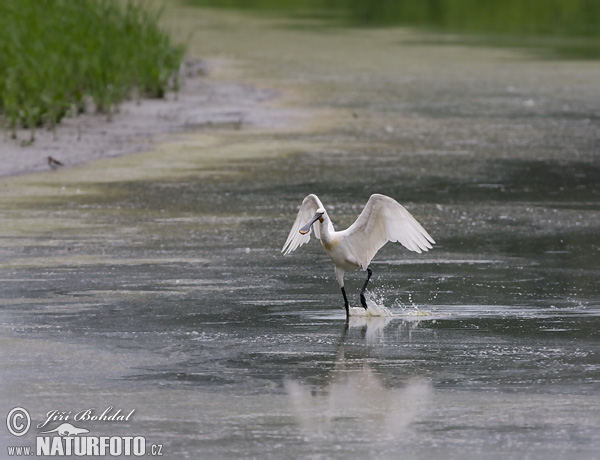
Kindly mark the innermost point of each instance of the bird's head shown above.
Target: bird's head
(317, 217)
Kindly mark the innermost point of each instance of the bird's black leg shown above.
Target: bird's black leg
(363, 300)
(346, 304)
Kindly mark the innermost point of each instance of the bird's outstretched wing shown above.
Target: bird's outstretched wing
(384, 219)
(307, 210)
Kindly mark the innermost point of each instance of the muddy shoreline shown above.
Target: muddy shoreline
(205, 102)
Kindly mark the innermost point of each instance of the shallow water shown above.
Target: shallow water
(155, 281)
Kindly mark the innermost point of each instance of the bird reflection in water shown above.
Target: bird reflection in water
(355, 394)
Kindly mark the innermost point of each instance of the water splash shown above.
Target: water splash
(409, 310)
(376, 308)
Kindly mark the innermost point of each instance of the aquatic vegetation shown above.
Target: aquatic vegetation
(59, 57)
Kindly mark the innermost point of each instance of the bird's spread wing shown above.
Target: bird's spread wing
(307, 210)
(384, 219)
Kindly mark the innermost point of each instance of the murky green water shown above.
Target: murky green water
(156, 282)
(564, 28)
(551, 17)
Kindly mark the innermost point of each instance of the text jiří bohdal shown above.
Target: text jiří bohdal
(87, 415)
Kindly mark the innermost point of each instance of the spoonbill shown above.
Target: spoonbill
(383, 219)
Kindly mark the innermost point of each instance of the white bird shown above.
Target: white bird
(383, 219)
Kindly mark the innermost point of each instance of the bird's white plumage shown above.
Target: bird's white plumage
(307, 210)
(383, 219)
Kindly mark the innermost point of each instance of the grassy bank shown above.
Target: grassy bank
(63, 56)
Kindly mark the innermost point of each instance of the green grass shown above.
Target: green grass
(56, 56)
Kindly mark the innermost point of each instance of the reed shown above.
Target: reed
(64, 56)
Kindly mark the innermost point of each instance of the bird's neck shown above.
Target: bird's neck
(326, 229)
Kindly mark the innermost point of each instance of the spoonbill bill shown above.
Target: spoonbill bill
(383, 219)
